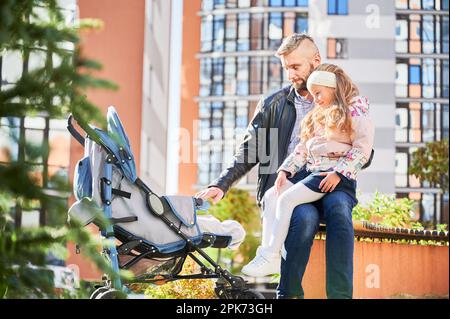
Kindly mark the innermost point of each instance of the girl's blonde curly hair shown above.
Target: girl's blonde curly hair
(336, 117)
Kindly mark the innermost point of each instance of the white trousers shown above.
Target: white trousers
(277, 212)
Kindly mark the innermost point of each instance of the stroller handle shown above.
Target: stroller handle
(73, 131)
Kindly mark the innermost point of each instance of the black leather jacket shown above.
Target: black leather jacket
(274, 119)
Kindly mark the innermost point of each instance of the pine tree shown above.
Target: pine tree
(37, 27)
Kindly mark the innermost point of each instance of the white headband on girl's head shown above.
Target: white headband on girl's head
(324, 78)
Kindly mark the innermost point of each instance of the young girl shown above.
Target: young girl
(336, 140)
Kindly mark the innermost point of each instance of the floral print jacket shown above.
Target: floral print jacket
(340, 152)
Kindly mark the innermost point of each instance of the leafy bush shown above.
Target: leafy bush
(388, 211)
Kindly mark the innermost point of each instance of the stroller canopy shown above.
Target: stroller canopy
(116, 140)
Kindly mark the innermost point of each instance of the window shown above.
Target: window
(421, 122)
(242, 76)
(337, 48)
(338, 7)
(414, 74)
(275, 30)
(217, 76)
(301, 23)
(206, 33)
(243, 32)
(421, 33)
(219, 32)
(231, 33)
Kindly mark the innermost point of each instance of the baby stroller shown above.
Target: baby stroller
(156, 233)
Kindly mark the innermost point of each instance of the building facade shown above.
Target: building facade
(421, 96)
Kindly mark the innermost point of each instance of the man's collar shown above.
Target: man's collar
(294, 94)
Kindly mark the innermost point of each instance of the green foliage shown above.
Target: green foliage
(56, 88)
(240, 206)
(430, 164)
(388, 211)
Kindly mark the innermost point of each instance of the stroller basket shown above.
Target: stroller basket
(156, 233)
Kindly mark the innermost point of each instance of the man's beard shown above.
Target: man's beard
(299, 86)
(302, 86)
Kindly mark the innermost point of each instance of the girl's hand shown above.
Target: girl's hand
(280, 181)
(329, 183)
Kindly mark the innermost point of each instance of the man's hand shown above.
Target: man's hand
(329, 183)
(213, 193)
(280, 181)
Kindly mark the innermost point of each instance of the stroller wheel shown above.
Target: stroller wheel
(98, 291)
(251, 294)
(112, 294)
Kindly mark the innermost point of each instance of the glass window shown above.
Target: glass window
(428, 78)
(219, 4)
(445, 119)
(414, 74)
(207, 5)
(242, 76)
(217, 78)
(401, 36)
(244, 32)
(401, 124)
(275, 3)
(231, 3)
(219, 32)
(337, 7)
(301, 24)
(445, 5)
(445, 78)
(275, 30)
(401, 80)
(414, 4)
(428, 37)
(445, 34)
(9, 147)
(206, 33)
(257, 32)
(230, 76)
(401, 4)
(11, 66)
(428, 4)
(256, 72)
(428, 126)
(241, 114)
(231, 33)
(205, 77)
(401, 168)
(414, 34)
(337, 48)
(244, 3)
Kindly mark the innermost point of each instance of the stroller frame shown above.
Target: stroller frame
(228, 286)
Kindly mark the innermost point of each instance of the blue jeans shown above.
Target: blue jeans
(335, 210)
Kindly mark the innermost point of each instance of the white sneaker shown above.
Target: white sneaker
(263, 264)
